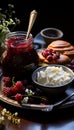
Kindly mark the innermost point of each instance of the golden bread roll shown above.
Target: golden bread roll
(69, 53)
(59, 43)
(61, 49)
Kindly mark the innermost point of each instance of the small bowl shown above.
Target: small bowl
(51, 34)
(56, 89)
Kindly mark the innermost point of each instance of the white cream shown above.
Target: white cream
(53, 76)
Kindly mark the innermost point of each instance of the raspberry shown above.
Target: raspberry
(49, 58)
(18, 97)
(50, 54)
(54, 57)
(18, 85)
(14, 90)
(7, 81)
(7, 91)
(51, 51)
(45, 53)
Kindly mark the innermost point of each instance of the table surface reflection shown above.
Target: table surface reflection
(37, 120)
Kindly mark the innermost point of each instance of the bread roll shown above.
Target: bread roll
(63, 47)
(59, 43)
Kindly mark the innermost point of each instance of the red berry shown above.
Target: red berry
(7, 81)
(51, 51)
(14, 90)
(50, 54)
(54, 51)
(45, 53)
(7, 91)
(54, 57)
(18, 85)
(18, 97)
(49, 57)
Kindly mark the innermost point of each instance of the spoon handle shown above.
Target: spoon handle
(50, 107)
(33, 16)
(64, 100)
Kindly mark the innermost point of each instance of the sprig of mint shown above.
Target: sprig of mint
(7, 21)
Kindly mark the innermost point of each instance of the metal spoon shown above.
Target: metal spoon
(33, 16)
(50, 107)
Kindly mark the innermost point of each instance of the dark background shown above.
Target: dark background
(50, 14)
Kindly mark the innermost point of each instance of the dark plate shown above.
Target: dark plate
(39, 107)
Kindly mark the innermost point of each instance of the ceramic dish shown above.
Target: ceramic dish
(43, 80)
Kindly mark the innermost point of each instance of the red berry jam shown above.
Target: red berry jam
(20, 58)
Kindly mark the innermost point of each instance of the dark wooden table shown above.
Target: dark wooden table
(62, 119)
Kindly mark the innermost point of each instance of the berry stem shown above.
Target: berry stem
(25, 95)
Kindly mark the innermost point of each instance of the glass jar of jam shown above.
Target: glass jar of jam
(20, 57)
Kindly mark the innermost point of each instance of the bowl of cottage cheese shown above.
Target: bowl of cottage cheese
(53, 78)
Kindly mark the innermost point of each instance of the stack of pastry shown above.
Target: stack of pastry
(60, 52)
(63, 47)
